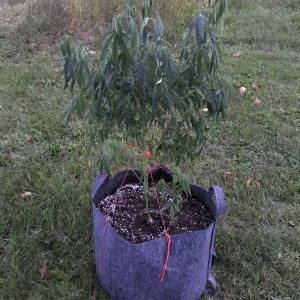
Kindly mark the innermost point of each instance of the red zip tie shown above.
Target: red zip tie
(147, 154)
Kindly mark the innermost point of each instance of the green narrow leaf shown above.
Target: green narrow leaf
(107, 44)
(80, 75)
(166, 206)
(115, 50)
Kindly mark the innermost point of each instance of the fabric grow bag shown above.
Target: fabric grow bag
(129, 271)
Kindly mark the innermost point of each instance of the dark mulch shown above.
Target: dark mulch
(129, 219)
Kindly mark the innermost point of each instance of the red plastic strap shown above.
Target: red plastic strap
(164, 269)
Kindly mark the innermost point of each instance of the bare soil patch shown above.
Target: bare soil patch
(126, 212)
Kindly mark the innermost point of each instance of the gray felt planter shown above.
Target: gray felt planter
(130, 271)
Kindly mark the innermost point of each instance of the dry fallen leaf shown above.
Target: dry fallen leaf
(94, 295)
(36, 232)
(255, 86)
(44, 270)
(12, 156)
(258, 101)
(242, 90)
(28, 138)
(92, 52)
(237, 54)
(27, 195)
(257, 184)
(228, 173)
(253, 181)
(291, 223)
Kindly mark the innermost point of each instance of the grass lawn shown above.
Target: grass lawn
(258, 238)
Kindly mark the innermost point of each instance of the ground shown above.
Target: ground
(253, 154)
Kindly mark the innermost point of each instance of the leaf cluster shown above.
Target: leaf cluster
(141, 90)
(174, 192)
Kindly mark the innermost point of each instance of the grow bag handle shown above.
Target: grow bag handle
(211, 286)
(217, 195)
(218, 208)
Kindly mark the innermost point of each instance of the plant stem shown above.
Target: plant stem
(146, 188)
(149, 219)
